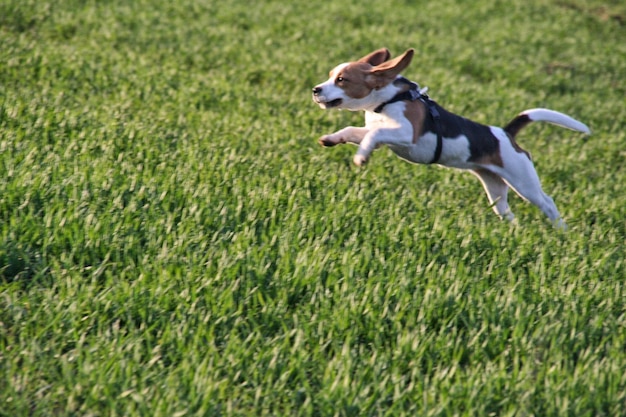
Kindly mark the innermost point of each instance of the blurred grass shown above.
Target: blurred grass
(173, 241)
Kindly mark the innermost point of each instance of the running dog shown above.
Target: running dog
(400, 115)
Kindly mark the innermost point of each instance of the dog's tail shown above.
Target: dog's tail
(544, 115)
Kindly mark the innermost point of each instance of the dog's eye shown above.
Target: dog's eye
(341, 79)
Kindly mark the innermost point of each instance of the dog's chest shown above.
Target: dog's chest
(378, 121)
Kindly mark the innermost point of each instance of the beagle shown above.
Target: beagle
(400, 115)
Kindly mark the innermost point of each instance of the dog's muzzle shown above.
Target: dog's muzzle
(321, 100)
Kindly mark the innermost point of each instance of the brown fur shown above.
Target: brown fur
(490, 159)
(355, 79)
(386, 72)
(377, 57)
(359, 78)
(415, 112)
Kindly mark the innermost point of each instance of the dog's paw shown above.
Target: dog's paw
(326, 141)
(359, 160)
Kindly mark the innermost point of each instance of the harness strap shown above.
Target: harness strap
(412, 94)
(409, 95)
(434, 113)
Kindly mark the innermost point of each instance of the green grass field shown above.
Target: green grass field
(173, 241)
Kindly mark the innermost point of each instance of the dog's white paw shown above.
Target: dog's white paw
(359, 160)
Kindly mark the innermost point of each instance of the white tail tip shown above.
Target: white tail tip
(557, 118)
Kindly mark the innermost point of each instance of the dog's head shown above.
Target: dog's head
(353, 85)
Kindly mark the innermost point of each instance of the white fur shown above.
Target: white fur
(560, 119)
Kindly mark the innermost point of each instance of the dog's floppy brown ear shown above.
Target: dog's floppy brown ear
(377, 57)
(395, 66)
(385, 73)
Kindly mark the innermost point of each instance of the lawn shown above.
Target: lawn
(173, 241)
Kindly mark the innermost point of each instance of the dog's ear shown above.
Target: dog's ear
(387, 71)
(396, 65)
(377, 57)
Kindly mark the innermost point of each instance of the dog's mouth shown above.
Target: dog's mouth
(328, 104)
(333, 103)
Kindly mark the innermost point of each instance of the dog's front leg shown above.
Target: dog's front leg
(376, 138)
(348, 134)
(366, 147)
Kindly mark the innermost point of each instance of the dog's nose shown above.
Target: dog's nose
(317, 90)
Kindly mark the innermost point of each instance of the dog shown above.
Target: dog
(400, 115)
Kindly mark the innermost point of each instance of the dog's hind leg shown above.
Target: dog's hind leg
(522, 177)
(497, 191)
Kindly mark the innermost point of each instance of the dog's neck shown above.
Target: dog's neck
(408, 91)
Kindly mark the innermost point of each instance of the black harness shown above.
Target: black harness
(413, 94)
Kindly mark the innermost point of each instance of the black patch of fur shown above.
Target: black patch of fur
(481, 141)
(517, 124)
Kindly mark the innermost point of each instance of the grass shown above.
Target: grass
(173, 242)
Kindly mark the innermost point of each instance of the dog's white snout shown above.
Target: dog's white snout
(324, 96)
